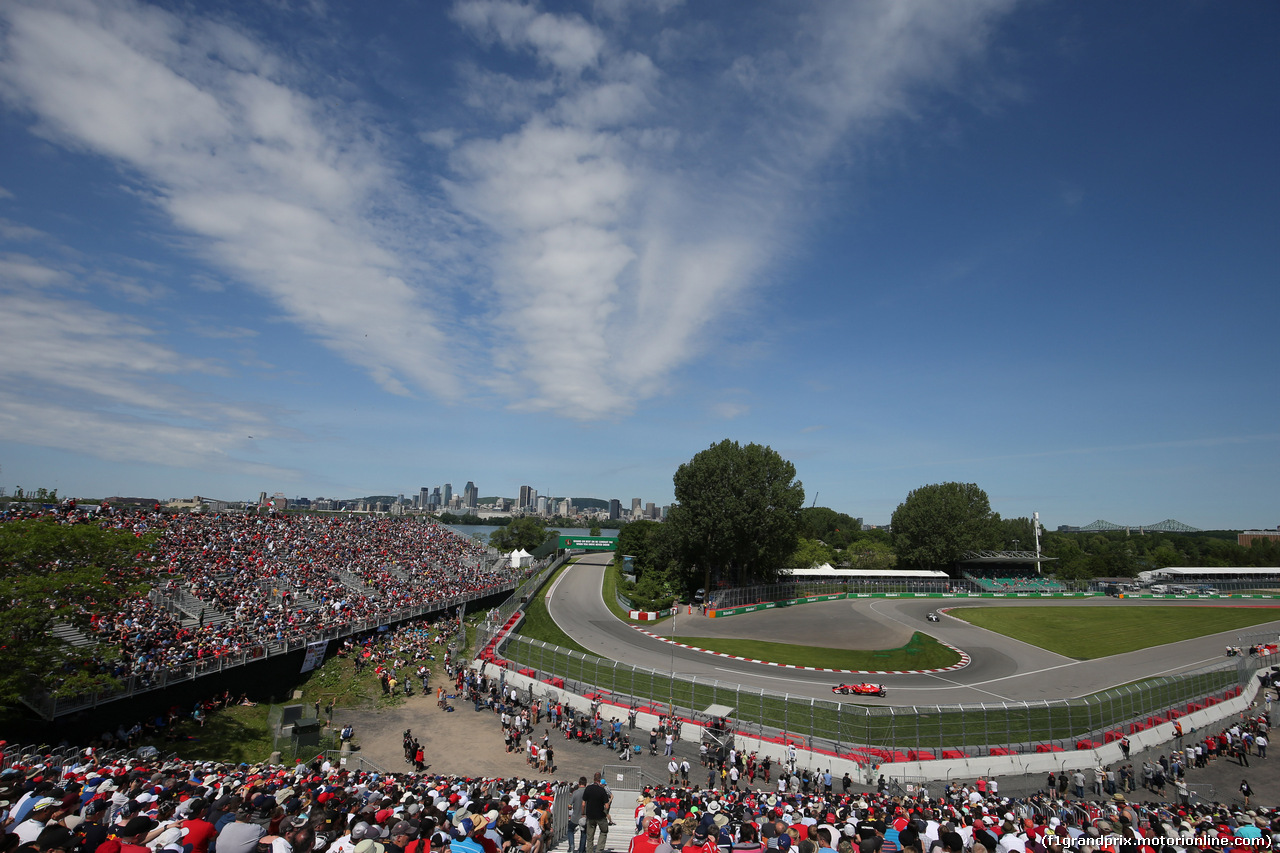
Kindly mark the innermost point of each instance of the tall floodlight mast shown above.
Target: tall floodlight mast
(1035, 525)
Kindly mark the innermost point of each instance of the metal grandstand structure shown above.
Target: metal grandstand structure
(1169, 525)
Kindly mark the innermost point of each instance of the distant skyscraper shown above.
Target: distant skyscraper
(424, 498)
(615, 509)
(526, 497)
(448, 493)
(635, 507)
(542, 505)
(470, 495)
(650, 511)
(436, 499)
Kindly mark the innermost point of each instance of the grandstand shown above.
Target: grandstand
(231, 589)
(1218, 577)
(1015, 584)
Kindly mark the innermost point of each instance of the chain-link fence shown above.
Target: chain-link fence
(745, 596)
(892, 733)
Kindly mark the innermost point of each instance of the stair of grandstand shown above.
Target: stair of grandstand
(395, 571)
(355, 584)
(69, 633)
(192, 608)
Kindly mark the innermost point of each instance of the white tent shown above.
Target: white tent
(520, 559)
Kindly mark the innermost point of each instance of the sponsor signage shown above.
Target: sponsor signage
(588, 543)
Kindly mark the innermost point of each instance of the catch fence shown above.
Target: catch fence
(882, 733)
(745, 596)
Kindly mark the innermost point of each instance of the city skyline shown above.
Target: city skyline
(319, 247)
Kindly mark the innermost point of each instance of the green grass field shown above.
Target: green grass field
(921, 652)
(538, 624)
(1085, 633)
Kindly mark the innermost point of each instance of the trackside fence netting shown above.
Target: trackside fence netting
(744, 596)
(892, 733)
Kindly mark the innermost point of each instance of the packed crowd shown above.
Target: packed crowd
(961, 820)
(260, 579)
(183, 807)
(130, 806)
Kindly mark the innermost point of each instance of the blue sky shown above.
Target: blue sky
(340, 249)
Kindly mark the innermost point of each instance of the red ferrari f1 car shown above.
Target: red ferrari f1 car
(865, 688)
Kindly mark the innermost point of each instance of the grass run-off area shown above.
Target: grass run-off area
(920, 652)
(1085, 633)
(538, 624)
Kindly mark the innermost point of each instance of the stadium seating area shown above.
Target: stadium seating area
(1016, 584)
(224, 584)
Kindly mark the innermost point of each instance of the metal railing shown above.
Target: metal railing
(884, 733)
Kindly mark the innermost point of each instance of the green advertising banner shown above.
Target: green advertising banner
(588, 543)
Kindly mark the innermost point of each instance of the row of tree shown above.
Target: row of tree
(739, 518)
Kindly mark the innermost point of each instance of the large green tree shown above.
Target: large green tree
(836, 529)
(50, 572)
(736, 516)
(525, 532)
(936, 524)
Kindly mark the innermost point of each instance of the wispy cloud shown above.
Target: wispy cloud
(633, 207)
(281, 189)
(101, 383)
(609, 202)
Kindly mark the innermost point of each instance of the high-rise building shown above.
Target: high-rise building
(615, 509)
(424, 498)
(650, 511)
(470, 495)
(542, 504)
(448, 494)
(526, 497)
(635, 508)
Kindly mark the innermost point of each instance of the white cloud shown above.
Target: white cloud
(566, 42)
(611, 214)
(728, 411)
(20, 233)
(101, 383)
(281, 190)
(444, 138)
(623, 243)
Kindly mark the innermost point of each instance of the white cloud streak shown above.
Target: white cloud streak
(98, 382)
(632, 208)
(626, 200)
(279, 189)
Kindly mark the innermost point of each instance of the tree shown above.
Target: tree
(595, 530)
(936, 524)
(736, 515)
(810, 553)
(51, 571)
(870, 553)
(836, 529)
(524, 533)
(645, 542)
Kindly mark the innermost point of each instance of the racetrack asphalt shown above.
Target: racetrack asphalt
(1002, 668)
